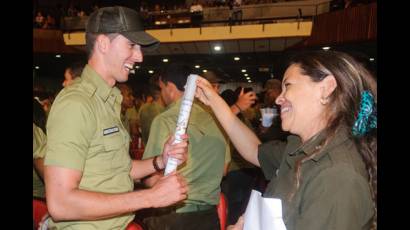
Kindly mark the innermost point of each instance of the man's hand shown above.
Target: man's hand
(168, 190)
(237, 226)
(178, 151)
(246, 100)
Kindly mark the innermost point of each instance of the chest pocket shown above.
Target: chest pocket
(115, 145)
(113, 141)
(195, 133)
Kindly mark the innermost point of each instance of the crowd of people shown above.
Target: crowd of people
(318, 156)
(51, 17)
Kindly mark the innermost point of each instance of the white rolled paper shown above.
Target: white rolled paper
(183, 117)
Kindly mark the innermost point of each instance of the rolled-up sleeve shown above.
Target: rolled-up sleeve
(70, 127)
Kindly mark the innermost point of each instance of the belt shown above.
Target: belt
(194, 208)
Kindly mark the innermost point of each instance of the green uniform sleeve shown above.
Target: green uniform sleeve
(228, 156)
(158, 135)
(70, 127)
(337, 199)
(270, 156)
(39, 142)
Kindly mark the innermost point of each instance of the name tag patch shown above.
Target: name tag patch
(111, 130)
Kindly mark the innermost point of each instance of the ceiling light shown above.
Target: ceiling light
(204, 70)
(243, 70)
(248, 78)
(371, 59)
(197, 66)
(137, 67)
(217, 48)
(37, 67)
(58, 55)
(165, 60)
(326, 48)
(249, 81)
(236, 58)
(151, 71)
(245, 74)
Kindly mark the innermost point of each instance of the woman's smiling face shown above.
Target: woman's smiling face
(301, 111)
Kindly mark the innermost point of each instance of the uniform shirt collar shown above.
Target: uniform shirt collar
(296, 149)
(100, 87)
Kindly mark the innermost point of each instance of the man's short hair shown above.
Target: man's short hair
(177, 74)
(212, 77)
(274, 84)
(76, 69)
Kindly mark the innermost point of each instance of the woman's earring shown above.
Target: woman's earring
(324, 101)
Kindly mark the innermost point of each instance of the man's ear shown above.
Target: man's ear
(102, 43)
(329, 85)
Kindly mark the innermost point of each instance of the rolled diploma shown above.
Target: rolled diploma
(183, 117)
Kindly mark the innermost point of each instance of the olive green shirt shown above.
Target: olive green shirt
(39, 143)
(146, 114)
(207, 151)
(85, 133)
(334, 192)
(131, 115)
(237, 161)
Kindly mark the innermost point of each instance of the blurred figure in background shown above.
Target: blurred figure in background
(273, 88)
(150, 110)
(39, 143)
(72, 72)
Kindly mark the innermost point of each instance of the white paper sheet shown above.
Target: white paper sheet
(183, 118)
(263, 213)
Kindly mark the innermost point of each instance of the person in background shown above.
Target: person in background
(196, 11)
(326, 172)
(127, 103)
(88, 172)
(72, 72)
(244, 100)
(44, 98)
(149, 111)
(273, 88)
(208, 157)
(242, 176)
(39, 142)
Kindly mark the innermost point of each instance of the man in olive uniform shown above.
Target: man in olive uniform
(149, 111)
(208, 155)
(88, 171)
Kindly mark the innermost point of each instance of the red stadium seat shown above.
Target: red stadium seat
(222, 211)
(39, 210)
(134, 226)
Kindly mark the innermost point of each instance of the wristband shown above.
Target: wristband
(154, 163)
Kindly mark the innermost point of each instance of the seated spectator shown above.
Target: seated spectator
(196, 13)
(39, 20)
(81, 13)
(236, 11)
(50, 22)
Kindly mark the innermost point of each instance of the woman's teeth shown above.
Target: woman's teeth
(284, 110)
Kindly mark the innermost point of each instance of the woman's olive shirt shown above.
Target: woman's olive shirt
(334, 192)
